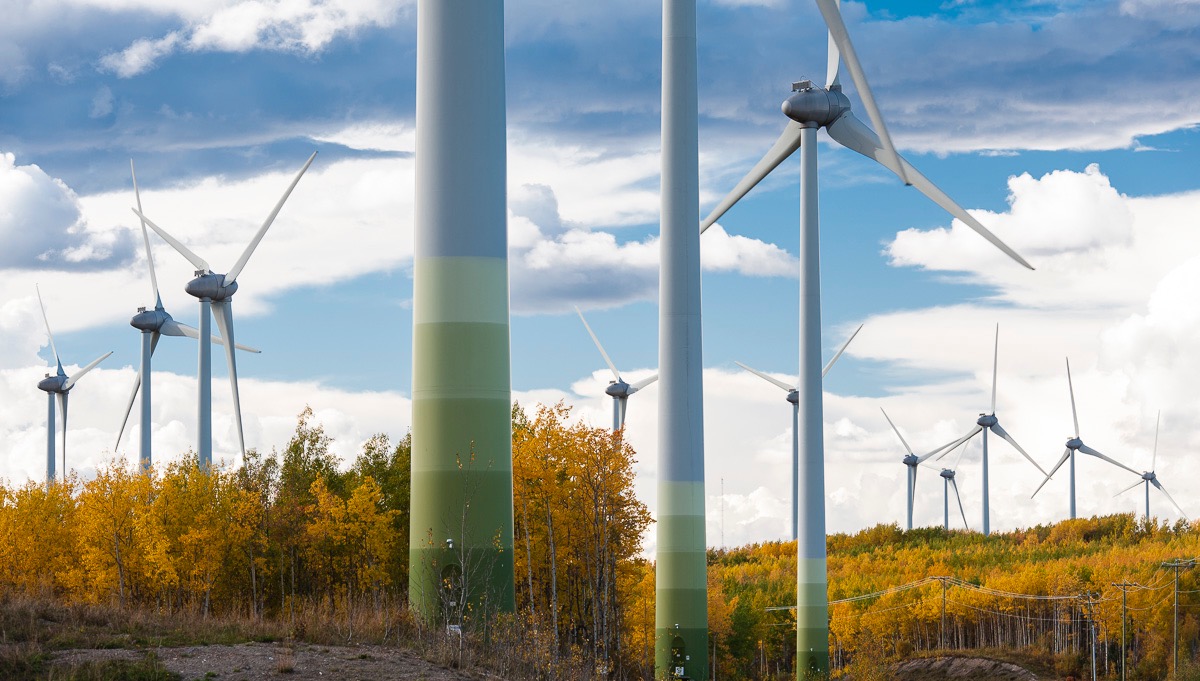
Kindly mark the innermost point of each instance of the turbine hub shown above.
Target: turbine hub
(149, 320)
(987, 420)
(52, 384)
(617, 389)
(910, 460)
(211, 286)
(1148, 476)
(1074, 443)
(793, 396)
(813, 105)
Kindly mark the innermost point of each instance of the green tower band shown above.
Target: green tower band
(812, 619)
(462, 525)
(681, 605)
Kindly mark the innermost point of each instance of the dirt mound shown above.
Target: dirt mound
(950, 668)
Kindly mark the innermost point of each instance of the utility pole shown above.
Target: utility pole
(943, 632)
(1124, 587)
(1176, 564)
(1091, 597)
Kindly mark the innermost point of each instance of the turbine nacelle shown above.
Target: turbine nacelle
(53, 383)
(947, 474)
(211, 286)
(987, 420)
(1074, 444)
(618, 389)
(793, 396)
(911, 460)
(1149, 476)
(150, 320)
(814, 105)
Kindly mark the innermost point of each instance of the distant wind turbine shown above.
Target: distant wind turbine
(947, 483)
(215, 292)
(1150, 478)
(911, 461)
(1075, 444)
(985, 423)
(59, 385)
(810, 108)
(617, 388)
(793, 396)
(153, 324)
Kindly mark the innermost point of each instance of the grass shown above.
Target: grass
(31, 663)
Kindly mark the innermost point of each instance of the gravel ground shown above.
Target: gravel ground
(301, 662)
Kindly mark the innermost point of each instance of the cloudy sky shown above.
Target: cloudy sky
(1068, 127)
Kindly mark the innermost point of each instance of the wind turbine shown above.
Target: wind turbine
(812, 107)
(1150, 478)
(948, 482)
(617, 388)
(59, 385)
(983, 424)
(911, 460)
(215, 292)
(1075, 444)
(793, 396)
(153, 324)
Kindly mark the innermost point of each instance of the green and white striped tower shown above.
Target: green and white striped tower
(461, 524)
(681, 614)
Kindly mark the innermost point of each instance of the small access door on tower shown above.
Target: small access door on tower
(679, 659)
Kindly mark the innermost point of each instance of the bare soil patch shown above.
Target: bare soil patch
(960, 668)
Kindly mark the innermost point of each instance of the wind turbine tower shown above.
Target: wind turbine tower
(681, 587)
(462, 499)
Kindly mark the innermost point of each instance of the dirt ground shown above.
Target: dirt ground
(950, 668)
(299, 662)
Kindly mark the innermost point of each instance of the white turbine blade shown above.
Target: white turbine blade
(833, 360)
(223, 313)
(1066, 455)
(62, 407)
(137, 383)
(47, 321)
(833, 65)
(897, 431)
(786, 145)
(999, 430)
(237, 267)
(197, 261)
(1154, 456)
(960, 506)
(1162, 489)
(642, 384)
(961, 452)
(146, 239)
(851, 133)
(174, 328)
(1088, 450)
(765, 377)
(995, 370)
(607, 360)
(622, 403)
(837, 31)
(1071, 387)
(1129, 488)
(80, 374)
(949, 447)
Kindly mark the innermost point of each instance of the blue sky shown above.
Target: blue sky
(1069, 127)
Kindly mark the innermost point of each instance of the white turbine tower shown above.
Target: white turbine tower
(985, 423)
(617, 388)
(1075, 444)
(812, 107)
(59, 385)
(1151, 478)
(153, 324)
(793, 397)
(911, 461)
(215, 292)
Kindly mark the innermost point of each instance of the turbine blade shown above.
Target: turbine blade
(80, 374)
(1088, 450)
(999, 430)
(622, 403)
(47, 320)
(237, 267)
(607, 360)
(1154, 457)
(1162, 489)
(223, 313)
(1066, 455)
(197, 261)
(962, 450)
(949, 447)
(145, 239)
(837, 31)
(995, 369)
(851, 133)
(62, 407)
(786, 145)
(960, 506)
(765, 377)
(642, 384)
(1071, 387)
(1128, 488)
(833, 65)
(833, 360)
(174, 328)
(897, 431)
(137, 383)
